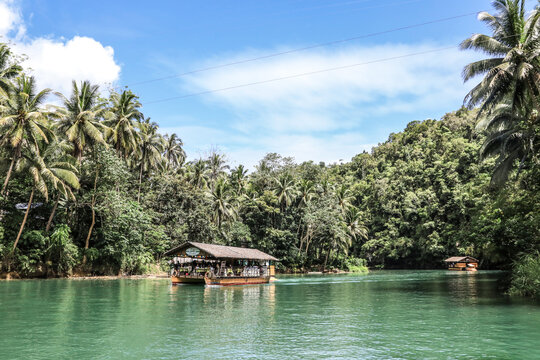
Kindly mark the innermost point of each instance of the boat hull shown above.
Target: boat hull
(229, 281)
(176, 280)
(462, 269)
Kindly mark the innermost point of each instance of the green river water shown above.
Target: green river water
(383, 315)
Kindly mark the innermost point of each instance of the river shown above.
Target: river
(383, 315)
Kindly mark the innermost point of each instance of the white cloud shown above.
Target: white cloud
(10, 19)
(56, 62)
(321, 94)
(328, 116)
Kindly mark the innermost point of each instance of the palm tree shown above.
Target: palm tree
(80, 118)
(198, 174)
(23, 123)
(221, 202)
(511, 137)
(338, 242)
(511, 72)
(344, 197)
(216, 167)
(353, 222)
(285, 190)
(8, 69)
(174, 152)
(151, 147)
(58, 153)
(58, 175)
(239, 179)
(121, 121)
(325, 186)
(306, 191)
(509, 91)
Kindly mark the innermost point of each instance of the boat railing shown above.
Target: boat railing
(251, 271)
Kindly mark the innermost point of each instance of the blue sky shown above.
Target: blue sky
(323, 117)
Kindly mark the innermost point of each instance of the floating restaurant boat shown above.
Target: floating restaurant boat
(462, 263)
(211, 264)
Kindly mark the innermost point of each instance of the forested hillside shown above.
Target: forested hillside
(417, 198)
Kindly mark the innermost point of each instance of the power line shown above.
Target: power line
(334, 42)
(314, 72)
(301, 75)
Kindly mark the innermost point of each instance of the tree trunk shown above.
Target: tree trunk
(10, 170)
(24, 221)
(87, 243)
(52, 213)
(302, 238)
(326, 259)
(140, 182)
(308, 241)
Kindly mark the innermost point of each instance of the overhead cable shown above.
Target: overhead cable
(334, 42)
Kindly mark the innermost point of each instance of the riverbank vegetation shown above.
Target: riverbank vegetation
(90, 185)
(526, 276)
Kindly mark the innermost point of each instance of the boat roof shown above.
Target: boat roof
(461, 258)
(225, 252)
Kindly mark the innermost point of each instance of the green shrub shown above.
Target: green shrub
(29, 254)
(526, 276)
(62, 253)
(356, 265)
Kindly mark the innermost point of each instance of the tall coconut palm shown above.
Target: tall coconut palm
(198, 174)
(151, 147)
(221, 202)
(174, 152)
(284, 189)
(337, 242)
(58, 153)
(121, 120)
(45, 176)
(9, 69)
(344, 197)
(80, 117)
(216, 167)
(353, 222)
(239, 179)
(23, 123)
(306, 191)
(511, 72)
(511, 136)
(510, 89)
(325, 186)
(80, 120)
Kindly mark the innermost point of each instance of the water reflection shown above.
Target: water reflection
(387, 314)
(463, 286)
(253, 294)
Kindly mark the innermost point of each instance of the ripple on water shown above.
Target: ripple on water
(386, 314)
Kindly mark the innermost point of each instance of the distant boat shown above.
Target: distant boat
(462, 263)
(213, 264)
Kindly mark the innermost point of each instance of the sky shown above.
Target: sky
(298, 106)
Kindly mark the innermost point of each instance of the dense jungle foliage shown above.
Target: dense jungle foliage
(91, 186)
